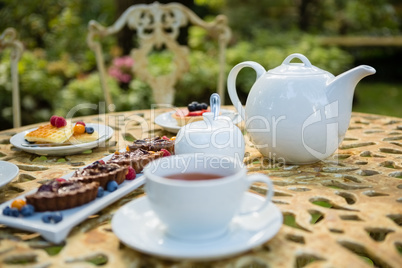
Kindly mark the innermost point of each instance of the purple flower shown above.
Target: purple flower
(121, 69)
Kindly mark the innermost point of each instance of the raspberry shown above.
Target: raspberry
(130, 174)
(80, 123)
(166, 152)
(60, 179)
(60, 122)
(101, 162)
(53, 120)
(165, 138)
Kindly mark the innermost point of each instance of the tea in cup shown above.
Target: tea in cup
(196, 196)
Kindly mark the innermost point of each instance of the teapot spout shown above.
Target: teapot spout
(340, 91)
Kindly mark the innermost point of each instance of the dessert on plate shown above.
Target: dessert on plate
(60, 194)
(101, 172)
(192, 113)
(153, 144)
(60, 131)
(141, 152)
(83, 134)
(51, 133)
(137, 158)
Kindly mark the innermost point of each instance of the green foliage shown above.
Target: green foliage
(325, 17)
(57, 69)
(378, 98)
(38, 88)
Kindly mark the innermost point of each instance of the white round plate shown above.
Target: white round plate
(168, 123)
(8, 171)
(105, 133)
(136, 225)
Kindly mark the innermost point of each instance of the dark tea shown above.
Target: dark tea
(194, 176)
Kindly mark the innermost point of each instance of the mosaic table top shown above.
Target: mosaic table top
(345, 211)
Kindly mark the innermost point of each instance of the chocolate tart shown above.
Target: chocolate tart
(153, 144)
(55, 195)
(101, 173)
(138, 158)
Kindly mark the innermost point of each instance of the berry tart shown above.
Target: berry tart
(101, 172)
(153, 144)
(193, 113)
(58, 195)
(137, 158)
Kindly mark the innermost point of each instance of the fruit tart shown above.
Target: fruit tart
(101, 172)
(137, 158)
(192, 113)
(58, 195)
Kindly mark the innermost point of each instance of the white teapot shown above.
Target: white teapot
(214, 135)
(297, 113)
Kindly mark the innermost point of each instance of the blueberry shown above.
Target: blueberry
(15, 212)
(57, 217)
(100, 192)
(204, 106)
(27, 210)
(47, 217)
(112, 186)
(54, 217)
(198, 107)
(89, 130)
(7, 211)
(191, 107)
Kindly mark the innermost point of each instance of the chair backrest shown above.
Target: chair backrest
(8, 39)
(158, 25)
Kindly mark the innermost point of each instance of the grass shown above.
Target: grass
(379, 98)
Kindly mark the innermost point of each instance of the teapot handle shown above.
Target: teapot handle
(301, 57)
(232, 83)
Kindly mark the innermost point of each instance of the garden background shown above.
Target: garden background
(58, 70)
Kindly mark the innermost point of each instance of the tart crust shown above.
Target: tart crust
(64, 195)
(101, 173)
(182, 119)
(138, 158)
(153, 144)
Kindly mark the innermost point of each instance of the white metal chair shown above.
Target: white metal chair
(8, 39)
(157, 25)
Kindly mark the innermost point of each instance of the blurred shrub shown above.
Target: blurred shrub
(38, 88)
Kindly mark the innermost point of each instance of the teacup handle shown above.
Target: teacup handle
(268, 197)
(232, 83)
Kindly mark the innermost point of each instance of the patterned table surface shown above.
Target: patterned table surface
(345, 211)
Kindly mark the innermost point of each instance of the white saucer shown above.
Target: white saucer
(136, 225)
(8, 171)
(105, 133)
(168, 123)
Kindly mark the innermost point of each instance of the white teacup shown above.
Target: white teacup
(199, 209)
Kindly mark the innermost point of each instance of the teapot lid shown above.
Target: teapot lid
(305, 68)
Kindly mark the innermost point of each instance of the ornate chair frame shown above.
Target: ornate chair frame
(157, 25)
(9, 39)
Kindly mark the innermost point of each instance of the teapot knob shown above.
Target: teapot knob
(215, 103)
(301, 57)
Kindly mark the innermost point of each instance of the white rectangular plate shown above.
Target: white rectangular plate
(56, 233)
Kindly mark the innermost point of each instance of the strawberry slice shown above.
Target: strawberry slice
(196, 113)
